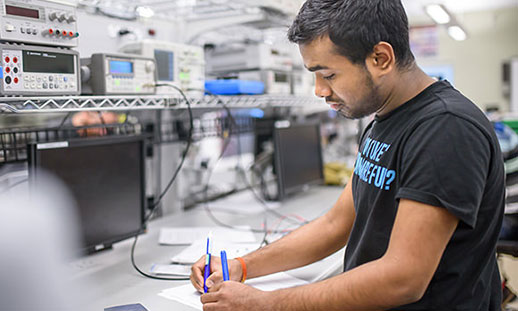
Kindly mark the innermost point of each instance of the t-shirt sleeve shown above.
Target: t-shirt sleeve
(445, 163)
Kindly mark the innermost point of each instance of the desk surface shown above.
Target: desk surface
(110, 279)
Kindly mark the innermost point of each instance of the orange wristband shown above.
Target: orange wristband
(243, 267)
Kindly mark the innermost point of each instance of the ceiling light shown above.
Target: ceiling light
(145, 11)
(438, 13)
(457, 33)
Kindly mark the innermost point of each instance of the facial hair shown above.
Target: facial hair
(367, 105)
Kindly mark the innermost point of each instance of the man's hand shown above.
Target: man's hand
(234, 296)
(216, 276)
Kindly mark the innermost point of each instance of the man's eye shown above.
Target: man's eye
(330, 77)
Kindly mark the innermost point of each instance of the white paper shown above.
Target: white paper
(188, 235)
(197, 249)
(177, 270)
(187, 295)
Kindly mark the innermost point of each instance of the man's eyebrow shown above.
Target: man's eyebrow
(316, 68)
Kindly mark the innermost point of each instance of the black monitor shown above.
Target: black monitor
(105, 176)
(298, 158)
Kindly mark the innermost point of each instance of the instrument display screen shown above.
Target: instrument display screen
(117, 66)
(165, 64)
(19, 11)
(47, 62)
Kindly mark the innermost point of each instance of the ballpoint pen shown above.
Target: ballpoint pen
(207, 262)
(224, 265)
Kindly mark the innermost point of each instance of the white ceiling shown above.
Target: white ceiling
(415, 9)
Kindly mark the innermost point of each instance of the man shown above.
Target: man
(422, 212)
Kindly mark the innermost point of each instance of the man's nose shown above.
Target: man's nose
(322, 89)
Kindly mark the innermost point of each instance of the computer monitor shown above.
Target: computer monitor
(106, 178)
(298, 158)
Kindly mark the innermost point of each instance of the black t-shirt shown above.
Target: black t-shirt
(438, 149)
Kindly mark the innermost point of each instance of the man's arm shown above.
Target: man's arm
(419, 237)
(401, 276)
(312, 242)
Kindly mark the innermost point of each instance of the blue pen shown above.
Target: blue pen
(207, 263)
(224, 265)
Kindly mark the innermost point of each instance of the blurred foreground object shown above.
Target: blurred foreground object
(37, 238)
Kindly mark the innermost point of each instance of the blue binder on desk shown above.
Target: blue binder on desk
(234, 87)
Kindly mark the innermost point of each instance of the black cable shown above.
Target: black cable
(184, 155)
(149, 275)
(161, 196)
(64, 120)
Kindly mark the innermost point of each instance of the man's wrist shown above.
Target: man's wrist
(236, 272)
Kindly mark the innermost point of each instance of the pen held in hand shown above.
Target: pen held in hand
(224, 266)
(207, 263)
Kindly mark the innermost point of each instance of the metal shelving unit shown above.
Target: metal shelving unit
(101, 103)
(13, 141)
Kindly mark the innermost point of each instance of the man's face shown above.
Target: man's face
(347, 87)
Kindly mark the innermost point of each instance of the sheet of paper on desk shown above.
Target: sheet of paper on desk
(176, 270)
(187, 295)
(197, 249)
(188, 235)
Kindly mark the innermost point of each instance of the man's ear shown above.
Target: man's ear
(382, 59)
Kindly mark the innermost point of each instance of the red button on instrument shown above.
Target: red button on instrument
(15, 60)
(15, 80)
(7, 69)
(7, 59)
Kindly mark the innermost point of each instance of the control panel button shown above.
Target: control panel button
(51, 86)
(7, 59)
(15, 80)
(71, 19)
(56, 85)
(51, 78)
(15, 69)
(7, 69)
(34, 31)
(8, 80)
(45, 85)
(9, 28)
(22, 30)
(15, 60)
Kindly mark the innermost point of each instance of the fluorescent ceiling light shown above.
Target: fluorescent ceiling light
(145, 11)
(438, 13)
(457, 33)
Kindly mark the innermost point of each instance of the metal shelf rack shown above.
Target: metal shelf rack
(100, 103)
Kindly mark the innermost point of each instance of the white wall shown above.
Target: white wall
(477, 62)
